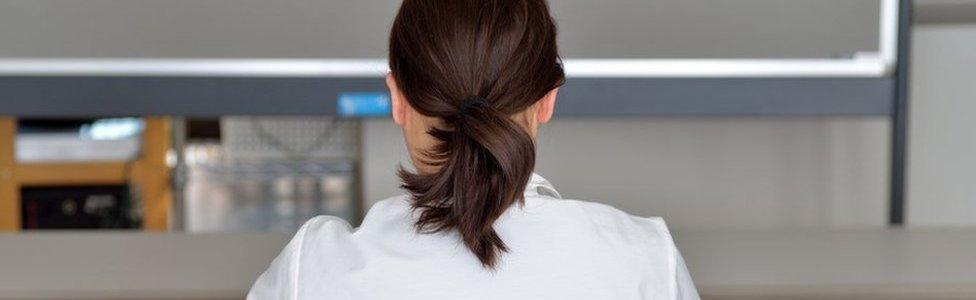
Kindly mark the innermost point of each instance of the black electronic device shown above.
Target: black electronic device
(77, 207)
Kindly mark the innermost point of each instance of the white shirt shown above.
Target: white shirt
(558, 249)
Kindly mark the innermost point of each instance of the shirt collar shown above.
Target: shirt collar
(539, 186)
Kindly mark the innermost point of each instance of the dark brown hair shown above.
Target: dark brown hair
(473, 64)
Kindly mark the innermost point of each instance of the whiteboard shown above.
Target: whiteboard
(347, 38)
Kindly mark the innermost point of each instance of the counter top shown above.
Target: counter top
(118, 265)
(861, 264)
(866, 264)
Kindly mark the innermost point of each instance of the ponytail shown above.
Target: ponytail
(505, 52)
(488, 160)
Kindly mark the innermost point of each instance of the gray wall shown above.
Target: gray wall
(943, 145)
(701, 173)
(764, 173)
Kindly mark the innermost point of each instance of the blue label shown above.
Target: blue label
(363, 104)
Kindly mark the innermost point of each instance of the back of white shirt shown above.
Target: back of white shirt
(558, 249)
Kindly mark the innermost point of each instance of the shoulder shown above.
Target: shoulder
(330, 246)
(281, 279)
(321, 235)
(322, 246)
(332, 234)
(386, 219)
(641, 246)
(388, 216)
(647, 238)
(609, 220)
(332, 240)
(333, 227)
(328, 225)
(393, 205)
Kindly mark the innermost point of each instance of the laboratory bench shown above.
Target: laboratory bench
(795, 264)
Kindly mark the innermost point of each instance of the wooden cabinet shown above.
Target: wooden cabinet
(148, 175)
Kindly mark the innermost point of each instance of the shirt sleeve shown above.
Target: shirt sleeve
(686, 288)
(280, 280)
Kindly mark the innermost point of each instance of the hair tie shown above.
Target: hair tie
(471, 102)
